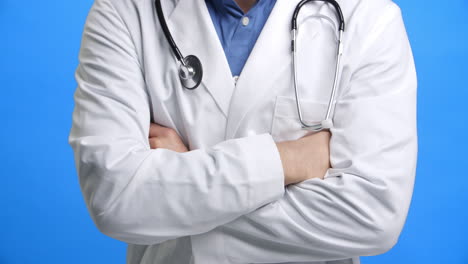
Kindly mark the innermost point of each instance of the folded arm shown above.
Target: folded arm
(361, 205)
(145, 196)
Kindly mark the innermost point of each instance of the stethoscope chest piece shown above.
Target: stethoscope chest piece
(191, 72)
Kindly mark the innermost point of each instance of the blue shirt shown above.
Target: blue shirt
(237, 31)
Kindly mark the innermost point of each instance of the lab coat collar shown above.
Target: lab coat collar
(229, 7)
(194, 33)
(269, 57)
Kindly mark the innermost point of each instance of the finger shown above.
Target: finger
(154, 142)
(164, 132)
(156, 130)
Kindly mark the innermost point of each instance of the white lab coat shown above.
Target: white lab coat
(224, 201)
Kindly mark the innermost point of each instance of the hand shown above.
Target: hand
(166, 138)
(305, 158)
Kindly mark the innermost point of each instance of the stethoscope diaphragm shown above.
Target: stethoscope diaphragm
(191, 72)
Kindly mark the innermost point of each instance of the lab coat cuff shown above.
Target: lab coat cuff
(267, 183)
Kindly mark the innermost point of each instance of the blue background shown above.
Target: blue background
(43, 218)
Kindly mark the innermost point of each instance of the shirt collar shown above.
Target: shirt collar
(228, 7)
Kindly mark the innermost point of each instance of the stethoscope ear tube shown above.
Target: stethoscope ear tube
(332, 2)
(327, 122)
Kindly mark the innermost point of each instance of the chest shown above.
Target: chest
(263, 99)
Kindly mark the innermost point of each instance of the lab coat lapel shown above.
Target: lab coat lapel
(194, 33)
(269, 57)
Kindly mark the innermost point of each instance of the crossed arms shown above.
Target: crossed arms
(357, 209)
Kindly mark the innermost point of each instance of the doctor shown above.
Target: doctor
(225, 173)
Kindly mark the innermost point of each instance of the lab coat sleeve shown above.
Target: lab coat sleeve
(361, 206)
(144, 196)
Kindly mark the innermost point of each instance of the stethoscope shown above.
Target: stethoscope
(191, 70)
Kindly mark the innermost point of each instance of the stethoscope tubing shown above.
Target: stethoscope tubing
(191, 69)
(332, 2)
(327, 123)
(167, 33)
(192, 63)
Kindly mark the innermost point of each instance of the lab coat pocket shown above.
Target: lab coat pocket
(286, 124)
